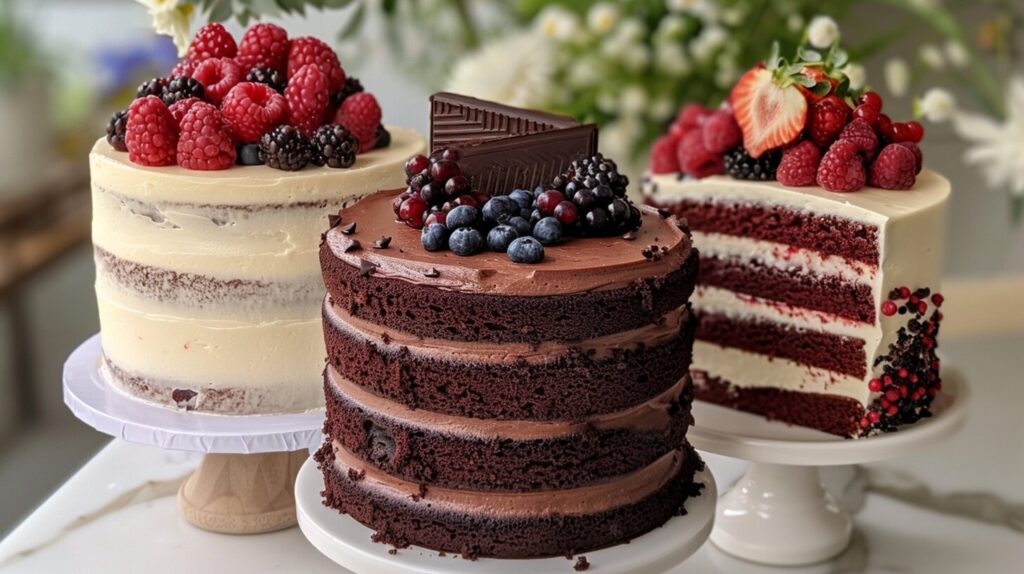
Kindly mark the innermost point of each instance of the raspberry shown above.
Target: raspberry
(721, 132)
(663, 155)
(211, 41)
(204, 143)
(307, 98)
(826, 119)
(309, 50)
(895, 168)
(917, 154)
(184, 68)
(251, 110)
(361, 115)
(116, 129)
(695, 159)
(799, 165)
(862, 136)
(218, 76)
(264, 45)
(152, 133)
(692, 116)
(180, 108)
(842, 168)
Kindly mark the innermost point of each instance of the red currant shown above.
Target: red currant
(444, 170)
(456, 186)
(899, 132)
(884, 124)
(451, 154)
(871, 100)
(548, 200)
(416, 164)
(396, 203)
(566, 213)
(916, 131)
(867, 113)
(411, 212)
(435, 217)
(465, 200)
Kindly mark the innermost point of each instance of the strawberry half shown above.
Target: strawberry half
(771, 113)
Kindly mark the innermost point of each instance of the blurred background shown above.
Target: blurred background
(66, 65)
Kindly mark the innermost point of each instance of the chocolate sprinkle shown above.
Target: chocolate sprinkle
(353, 245)
(349, 229)
(383, 242)
(365, 268)
(432, 273)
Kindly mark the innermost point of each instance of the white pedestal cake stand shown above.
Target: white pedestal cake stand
(245, 482)
(347, 542)
(778, 513)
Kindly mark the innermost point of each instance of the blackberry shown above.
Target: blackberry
(154, 87)
(285, 148)
(182, 88)
(740, 165)
(590, 199)
(351, 86)
(115, 130)
(268, 76)
(383, 137)
(334, 146)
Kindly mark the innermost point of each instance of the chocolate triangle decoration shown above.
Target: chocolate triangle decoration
(505, 148)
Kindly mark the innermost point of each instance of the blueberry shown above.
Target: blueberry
(548, 231)
(462, 216)
(571, 188)
(604, 194)
(526, 212)
(499, 238)
(521, 225)
(618, 209)
(526, 250)
(249, 154)
(465, 241)
(500, 208)
(523, 198)
(536, 216)
(598, 219)
(434, 237)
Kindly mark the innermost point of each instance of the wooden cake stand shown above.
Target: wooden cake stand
(245, 482)
(778, 513)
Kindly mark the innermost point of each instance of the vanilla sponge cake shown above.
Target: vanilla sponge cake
(208, 283)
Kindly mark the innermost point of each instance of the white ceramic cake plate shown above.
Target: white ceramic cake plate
(347, 542)
(778, 513)
(245, 482)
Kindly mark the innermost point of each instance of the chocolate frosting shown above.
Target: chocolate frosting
(575, 266)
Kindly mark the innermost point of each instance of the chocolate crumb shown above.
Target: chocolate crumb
(432, 273)
(353, 245)
(629, 236)
(383, 242)
(581, 564)
(392, 551)
(356, 475)
(664, 213)
(334, 219)
(184, 398)
(646, 253)
(441, 553)
(365, 267)
(349, 229)
(385, 338)
(683, 224)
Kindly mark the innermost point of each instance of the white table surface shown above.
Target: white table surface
(957, 507)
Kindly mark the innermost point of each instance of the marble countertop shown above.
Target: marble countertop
(955, 507)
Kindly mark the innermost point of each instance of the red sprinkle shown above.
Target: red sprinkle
(904, 292)
(922, 307)
(937, 299)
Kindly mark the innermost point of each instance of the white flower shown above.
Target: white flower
(897, 76)
(607, 103)
(515, 70)
(726, 72)
(619, 138)
(670, 27)
(671, 59)
(635, 57)
(557, 22)
(704, 10)
(630, 30)
(932, 56)
(998, 148)
(710, 39)
(172, 19)
(794, 22)
(822, 32)
(734, 16)
(857, 75)
(661, 109)
(633, 100)
(586, 72)
(957, 54)
(937, 105)
(602, 17)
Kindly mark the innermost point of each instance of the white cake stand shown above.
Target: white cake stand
(347, 542)
(778, 513)
(245, 482)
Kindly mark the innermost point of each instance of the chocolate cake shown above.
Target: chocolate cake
(480, 406)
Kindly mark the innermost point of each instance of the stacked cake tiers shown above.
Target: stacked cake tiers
(483, 405)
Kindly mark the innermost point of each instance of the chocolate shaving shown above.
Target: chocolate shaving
(629, 236)
(334, 219)
(353, 245)
(664, 213)
(383, 242)
(365, 267)
(349, 229)
(432, 273)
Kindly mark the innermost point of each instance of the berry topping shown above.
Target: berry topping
(334, 146)
(360, 113)
(463, 216)
(251, 110)
(888, 308)
(917, 154)
(443, 170)
(416, 164)
(871, 100)
(181, 107)
(526, 250)
(285, 148)
(500, 237)
(181, 88)
(499, 209)
(826, 119)
(249, 154)
(738, 163)
(860, 134)
(309, 50)
(154, 87)
(770, 112)
(695, 159)
(721, 132)
(211, 41)
(152, 134)
(663, 155)
(351, 86)
(383, 137)
(548, 200)
(218, 76)
(264, 45)
(894, 168)
(521, 225)
(434, 237)
(842, 168)
(548, 231)
(465, 241)
(799, 165)
(867, 113)
(307, 99)
(692, 116)
(268, 76)
(592, 185)
(204, 143)
(411, 211)
(566, 213)
(116, 128)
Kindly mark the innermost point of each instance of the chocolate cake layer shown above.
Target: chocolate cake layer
(816, 348)
(822, 233)
(484, 454)
(826, 293)
(833, 414)
(403, 517)
(547, 382)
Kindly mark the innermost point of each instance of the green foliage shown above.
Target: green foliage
(19, 55)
